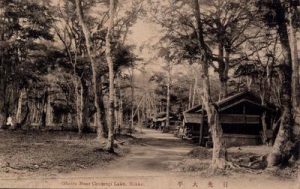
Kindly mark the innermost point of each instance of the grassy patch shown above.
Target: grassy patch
(50, 153)
(248, 161)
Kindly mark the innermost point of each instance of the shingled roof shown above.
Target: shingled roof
(192, 118)
(243, 96)
(192, 115)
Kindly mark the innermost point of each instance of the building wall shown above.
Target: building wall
(241, 140)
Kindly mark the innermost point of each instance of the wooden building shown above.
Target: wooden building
(243, 119)
(192, 121)
(159, 121)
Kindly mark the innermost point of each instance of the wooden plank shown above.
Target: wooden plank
(253, 120)
(192, 118)
(241, 136)
(239, 119)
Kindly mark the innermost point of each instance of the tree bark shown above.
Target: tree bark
(5, 101)
(85, 100)
(225, 72)
(222, 72)
(201, 128)
(25, 118)
(139, 117)
(219, 150)
(103, 129)
(49, 112)
(79, 104)
(167, 126)
(33, 109)
(195, 90)
(116, 107)
(263, 117)
(109, 59)
(264, 127)
(295, 63)
(19, 108)
(279, 154)
(190, 96)
(3, 115)
(44, 110)
(93, 66)
(131, 126)
(120, 104)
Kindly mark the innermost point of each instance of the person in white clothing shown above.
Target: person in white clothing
(9, 121)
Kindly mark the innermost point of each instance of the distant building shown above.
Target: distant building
(159, 121)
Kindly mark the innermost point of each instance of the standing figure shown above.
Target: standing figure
(9, 122)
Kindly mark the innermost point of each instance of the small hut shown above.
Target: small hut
(159, 121)
(243, 118)
(192, 121)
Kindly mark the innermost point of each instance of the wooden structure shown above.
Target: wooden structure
(159, 120)
(192, 123)
(243, 119)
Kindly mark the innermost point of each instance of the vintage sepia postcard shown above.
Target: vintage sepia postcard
(150, 94)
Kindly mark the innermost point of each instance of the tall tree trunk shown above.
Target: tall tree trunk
(19, 108)
(139, 116)
(263, 118)
(295, 63)
(25, 118)
(219, 150)
(49, 112)
(132, 100)
(120, 104)
(44, 110)
(222, 74)
(2, 83)
(201, 128)
(85, 105)
(279, 154)
(103, 129)
(144, 109)
(79, 103)
(190, 96)
(109, 59)
(264, 128)
(195, 90)
(226, 70)
(116, 107)
(93, 65)
(33, 109)
(167, 126)
(5, 101)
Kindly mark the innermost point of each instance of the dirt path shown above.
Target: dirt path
(147, 166)
(151, 156)
(149, 163)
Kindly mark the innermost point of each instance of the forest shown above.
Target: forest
(102, 73)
